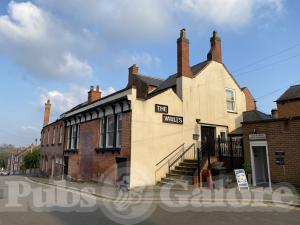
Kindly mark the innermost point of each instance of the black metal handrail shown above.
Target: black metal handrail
(180, 146)
(181, 155)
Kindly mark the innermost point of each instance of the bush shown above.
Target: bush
(247, 167)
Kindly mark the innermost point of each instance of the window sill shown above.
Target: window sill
(111, 149)
(71, 151)
(234, 112)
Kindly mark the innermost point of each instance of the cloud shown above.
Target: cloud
(143, 59)
(228, 13)
(51, 41)
(39, 42)
(155, 18)
(30, 129)
(64, 101)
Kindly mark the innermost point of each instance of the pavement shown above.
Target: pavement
(275, 196)
(42, 203)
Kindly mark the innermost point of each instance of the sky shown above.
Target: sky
(57, 49)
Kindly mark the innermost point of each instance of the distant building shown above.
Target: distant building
(51, 155)
(272, 143)
(138, 127)
(15, 160)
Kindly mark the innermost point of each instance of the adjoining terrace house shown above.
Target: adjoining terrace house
(149, 122)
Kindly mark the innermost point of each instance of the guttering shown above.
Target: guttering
(99, 103)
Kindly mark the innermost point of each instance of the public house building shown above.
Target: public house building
(150, 122)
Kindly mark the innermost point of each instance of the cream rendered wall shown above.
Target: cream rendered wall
(202, 97)
(151, 139)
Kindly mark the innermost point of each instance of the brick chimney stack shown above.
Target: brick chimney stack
(132, 71)
(94, 95)
(215, 52)
(183, 56)
(47, 112)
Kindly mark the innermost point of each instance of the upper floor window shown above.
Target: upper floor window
(60, 134)
(48, 137)
(54, 134)
(230, 100)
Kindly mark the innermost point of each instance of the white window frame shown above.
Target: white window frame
(234, 99)
(109, 131)
(259, 144)
(75, 136)
(119, 131)
(102, 134)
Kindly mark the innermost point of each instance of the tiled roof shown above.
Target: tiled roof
(255, 115)
(292, 93)
(152, 81)
(171, 80)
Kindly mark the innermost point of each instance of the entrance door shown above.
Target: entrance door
(260, 165)
(66, 165)
(122, 172)
(52, 166)
(208, 135)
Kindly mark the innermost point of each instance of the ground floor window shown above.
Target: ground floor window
(110, 131)
(73, 136)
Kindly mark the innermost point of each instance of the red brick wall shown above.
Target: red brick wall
(282, 135)
(288, 109)
(105, 163)
(51, 150)
(73, 167)
(250, 102)
(87, 164)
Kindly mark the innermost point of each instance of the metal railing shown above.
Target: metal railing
(163, 165)
(189, 153)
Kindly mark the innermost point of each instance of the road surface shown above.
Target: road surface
(33, 210)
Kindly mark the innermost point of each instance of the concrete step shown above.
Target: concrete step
(186, 164)
(174, 180)
(176, 186)
(180, 177)
(190, 161)
(184, 168)
(183, 172)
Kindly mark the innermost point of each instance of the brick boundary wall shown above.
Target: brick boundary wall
(282, 135)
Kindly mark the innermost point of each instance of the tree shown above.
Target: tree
(31, 159)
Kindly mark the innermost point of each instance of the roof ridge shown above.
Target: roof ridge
(295, 85)
(157, 78)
